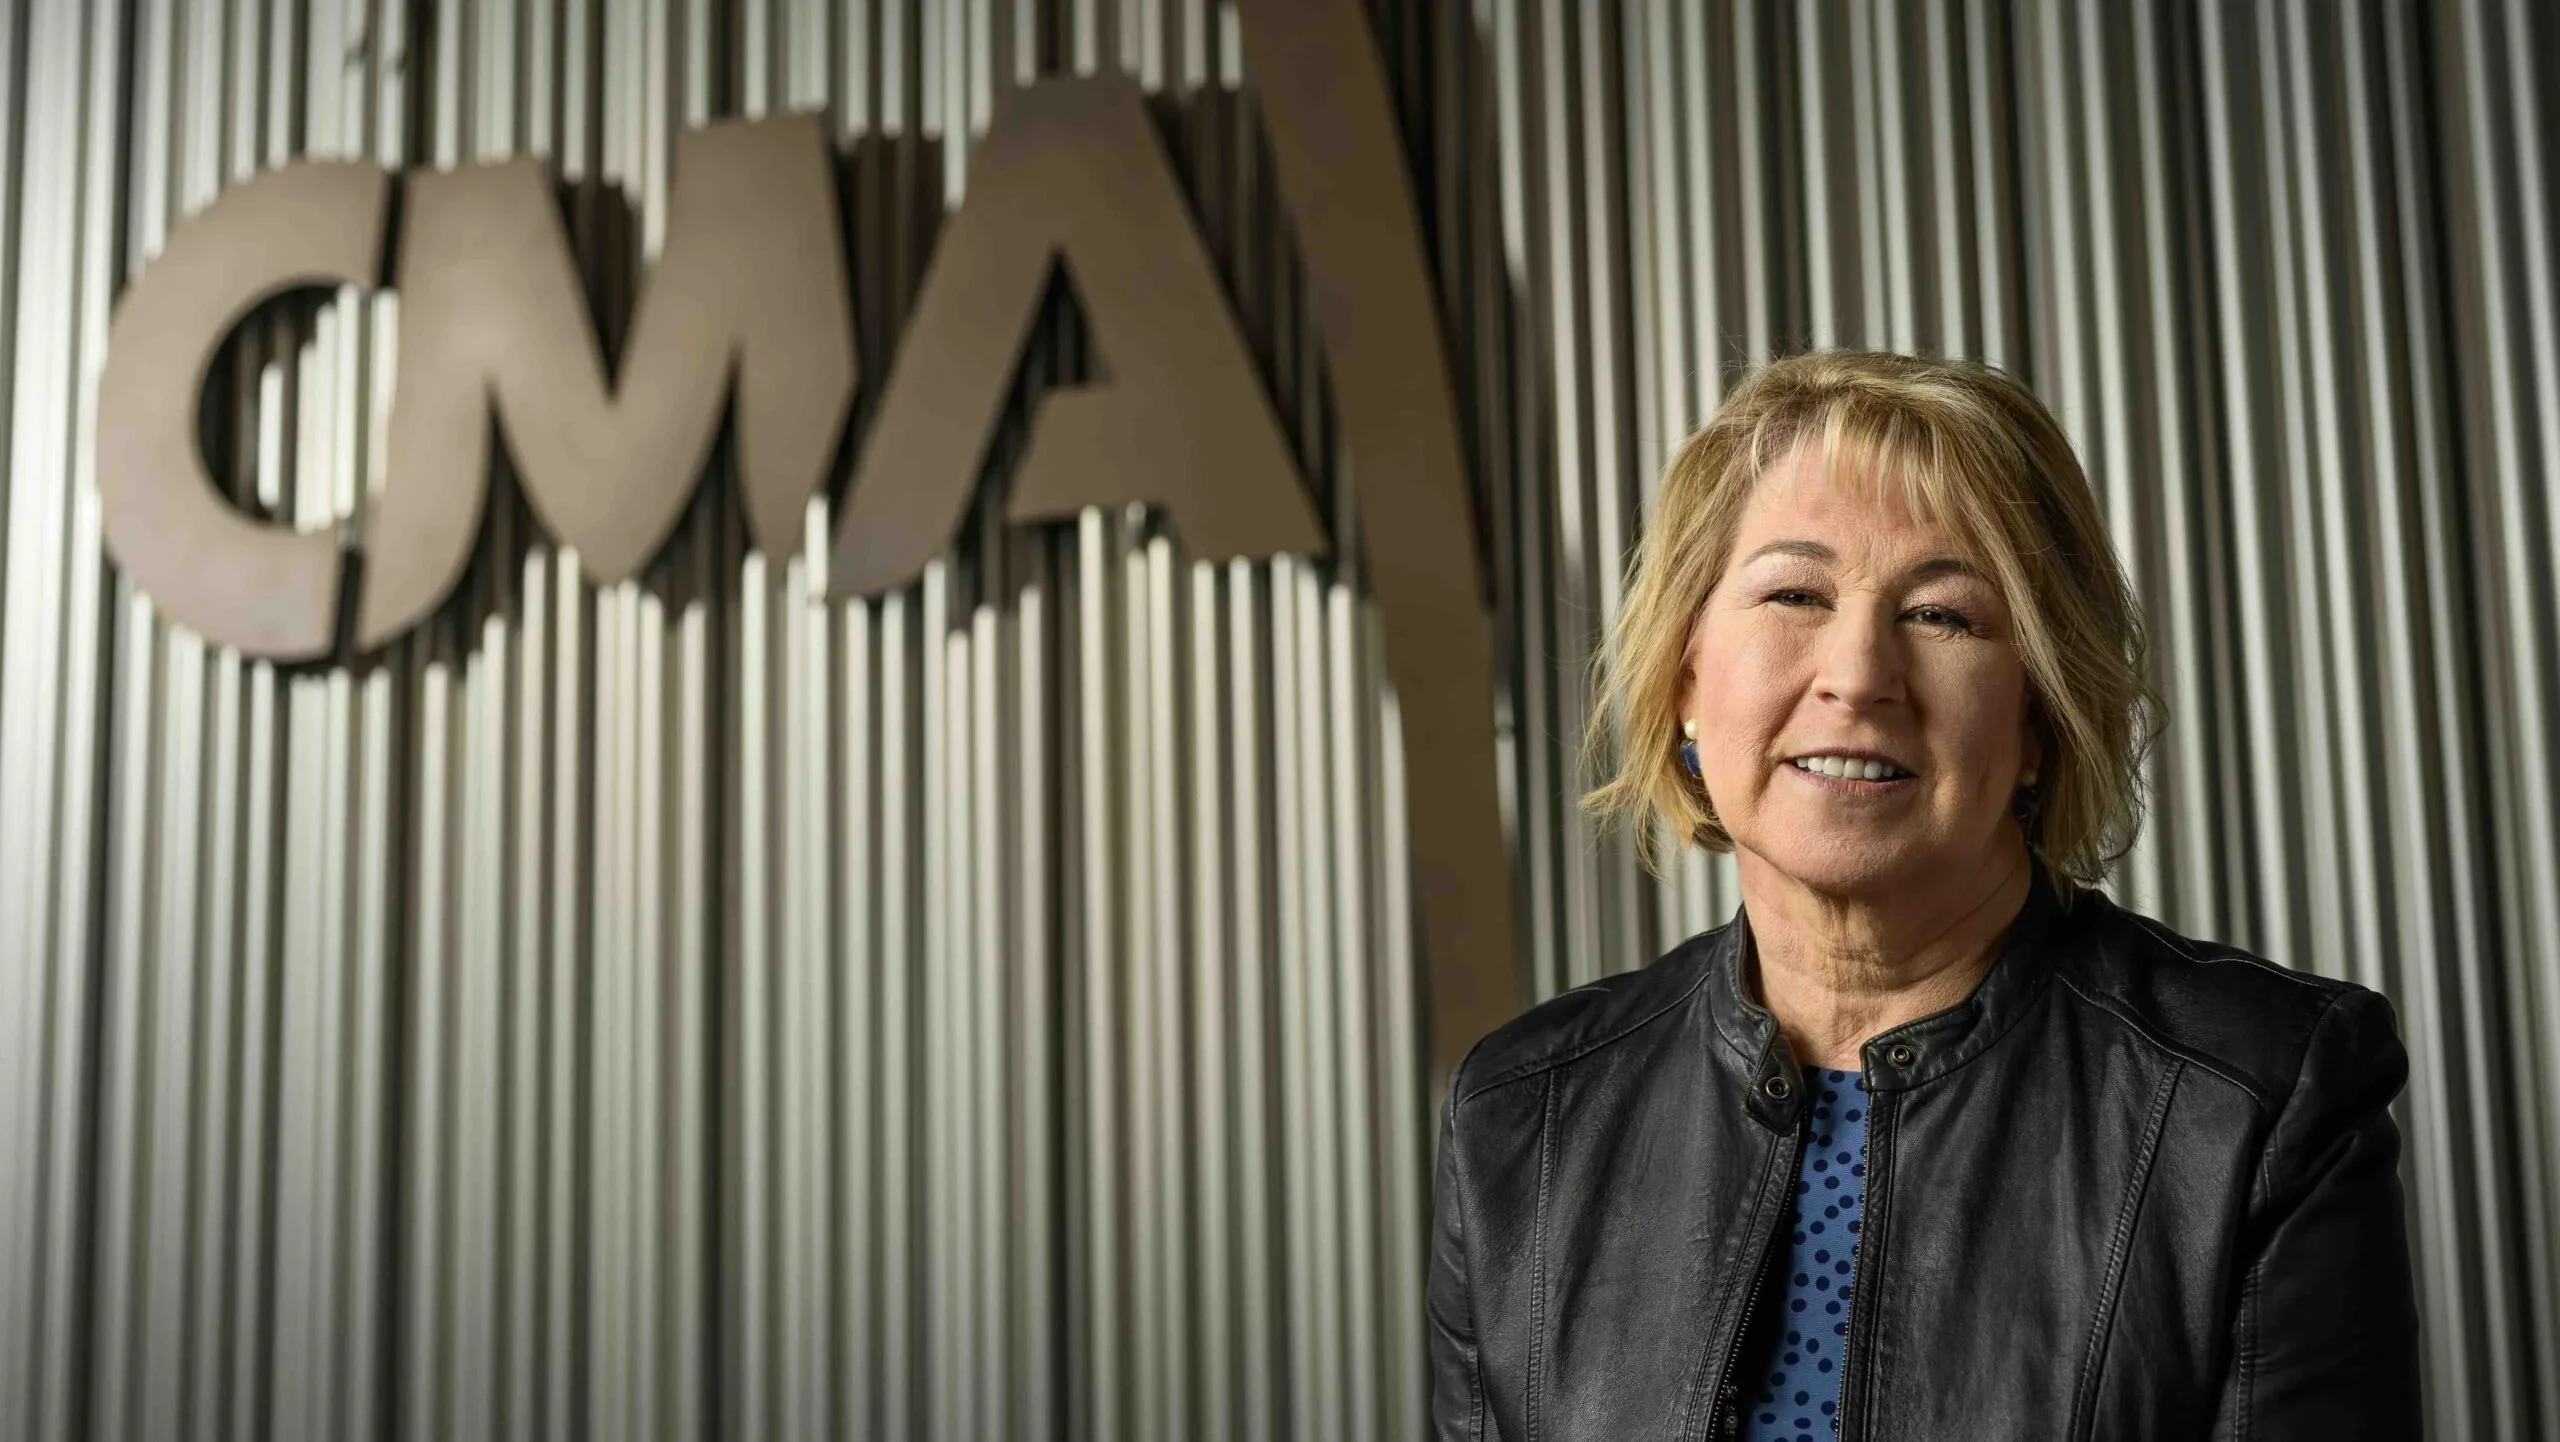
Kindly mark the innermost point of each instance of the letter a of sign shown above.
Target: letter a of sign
(1071, 174)
(750, 281)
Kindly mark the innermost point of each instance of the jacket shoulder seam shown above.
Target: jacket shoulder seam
(2134, 1023)
(2275, 1133)
(1539, 1065)
(2219, 954)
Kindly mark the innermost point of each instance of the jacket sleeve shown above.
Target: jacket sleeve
(2325, 1336)
(1458, 1410)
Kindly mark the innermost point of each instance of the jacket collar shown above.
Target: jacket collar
(1756, 1054)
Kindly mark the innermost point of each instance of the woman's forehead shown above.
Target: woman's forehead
(1870, 508)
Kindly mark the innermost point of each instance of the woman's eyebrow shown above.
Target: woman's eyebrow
(1810, 550)
(1916, 571)
(1941, 566)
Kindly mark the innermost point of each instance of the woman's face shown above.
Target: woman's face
(1845, 624)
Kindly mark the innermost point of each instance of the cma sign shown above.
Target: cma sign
(745, 314)
(746, 318)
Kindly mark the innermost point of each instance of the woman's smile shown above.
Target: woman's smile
(1860, 787)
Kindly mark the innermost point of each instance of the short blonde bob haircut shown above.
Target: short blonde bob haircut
(1973, 451)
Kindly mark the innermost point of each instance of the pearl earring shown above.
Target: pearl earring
(1689, 746)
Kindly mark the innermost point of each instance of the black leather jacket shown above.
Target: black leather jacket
(2135, 1186)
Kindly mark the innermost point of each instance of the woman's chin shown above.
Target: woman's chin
(1849, 866)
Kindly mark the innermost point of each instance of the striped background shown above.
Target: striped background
(688, 1007)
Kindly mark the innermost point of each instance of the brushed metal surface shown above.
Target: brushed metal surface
(700, 1006)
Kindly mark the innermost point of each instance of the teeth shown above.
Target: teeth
(1850, 768)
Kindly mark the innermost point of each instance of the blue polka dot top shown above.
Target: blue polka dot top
(1795, 1394)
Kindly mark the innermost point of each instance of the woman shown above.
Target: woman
(1930, 1140)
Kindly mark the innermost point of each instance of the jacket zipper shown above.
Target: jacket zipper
(1871, 1214)
(1725, 1419)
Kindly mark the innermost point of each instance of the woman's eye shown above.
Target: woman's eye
(1945, 618)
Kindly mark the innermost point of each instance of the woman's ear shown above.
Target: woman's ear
(1689, 641)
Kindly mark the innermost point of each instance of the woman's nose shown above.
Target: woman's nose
(1859, 659)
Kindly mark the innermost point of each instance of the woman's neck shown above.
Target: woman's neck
(1836, 970)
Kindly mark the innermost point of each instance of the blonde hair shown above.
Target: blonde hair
(1968, 448)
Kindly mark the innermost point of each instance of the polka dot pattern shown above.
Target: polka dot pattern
(1795, 1395)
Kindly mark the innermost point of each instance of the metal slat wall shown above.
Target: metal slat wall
(686, 1006)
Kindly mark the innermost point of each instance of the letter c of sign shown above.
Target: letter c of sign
(318, 224)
